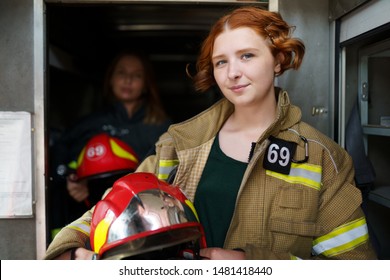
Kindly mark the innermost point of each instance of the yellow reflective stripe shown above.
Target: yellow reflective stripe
(342, 239)
(54, 232)
(306, 174)
(165, 167)
(292, 257)
(83, 227)
(168, 162)
(73, 164)
(120, 152)
(80, 158)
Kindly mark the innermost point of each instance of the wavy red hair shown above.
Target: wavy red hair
(269, 25)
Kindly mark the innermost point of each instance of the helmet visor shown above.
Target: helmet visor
(152, 220)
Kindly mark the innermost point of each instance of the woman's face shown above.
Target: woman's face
(244, 66)
(128, 79)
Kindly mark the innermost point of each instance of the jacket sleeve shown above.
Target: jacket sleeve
(148, 165)
(361, 249)
(342, 231)
(74, 235)
(162, 162)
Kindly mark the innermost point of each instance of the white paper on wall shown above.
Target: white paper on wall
(15, 165)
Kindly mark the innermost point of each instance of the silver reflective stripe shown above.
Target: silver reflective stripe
(83, 227)
(344, 238)
(295, 257)
(305, 174)
(165, 167)
(308, 174)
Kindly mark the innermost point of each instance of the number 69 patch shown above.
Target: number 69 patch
(279, 155)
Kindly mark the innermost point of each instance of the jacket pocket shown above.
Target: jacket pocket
(292, 237)
(292, 221)
(293, 228)
(295, 204)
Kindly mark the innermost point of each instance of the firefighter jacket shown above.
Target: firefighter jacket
(304, 208)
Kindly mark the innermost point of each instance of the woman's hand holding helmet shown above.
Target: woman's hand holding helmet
(78, 254)
(221, 254)
(78, 190)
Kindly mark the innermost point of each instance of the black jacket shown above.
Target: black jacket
(115, 121)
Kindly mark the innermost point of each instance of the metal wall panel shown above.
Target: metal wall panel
(338, 8)
(365, 18)
(18, 236)
(310, 86)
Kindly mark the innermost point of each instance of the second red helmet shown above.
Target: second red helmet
(104, 156)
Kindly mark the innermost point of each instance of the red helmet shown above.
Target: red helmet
(143, 215)
(104, 156)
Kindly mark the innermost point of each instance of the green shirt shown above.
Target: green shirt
(216, 194)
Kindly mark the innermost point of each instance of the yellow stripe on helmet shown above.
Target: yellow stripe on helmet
(101, 233)
(120, 152)
(81, 157)
(192, 207)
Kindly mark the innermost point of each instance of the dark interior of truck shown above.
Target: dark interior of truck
(81, 40)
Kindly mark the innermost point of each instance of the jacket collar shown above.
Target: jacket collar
(121, 113)
(204, 126)
(287, 115)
